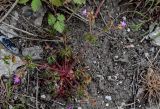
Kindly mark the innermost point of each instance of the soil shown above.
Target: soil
(114, 66)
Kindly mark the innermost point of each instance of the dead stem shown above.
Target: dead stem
(37, 91)
(15, 3)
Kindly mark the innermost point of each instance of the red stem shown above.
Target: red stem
(98, 9)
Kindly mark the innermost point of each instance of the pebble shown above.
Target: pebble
(152, 49)
(146, 54)
(109, 98)
(128, 29)
(116, 57)
(94, 62)
(109, 77)
(107, 104)
(34, 52)
(43, 96)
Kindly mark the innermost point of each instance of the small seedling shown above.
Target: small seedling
(90, 38)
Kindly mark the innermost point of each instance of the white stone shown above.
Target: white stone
(43, 96)
(79, 107)
(109, 98)
(107, 104)
(155, 36)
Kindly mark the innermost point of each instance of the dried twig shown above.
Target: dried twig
(15, 3)
(156, 55)
(35, 39)
(37, 91)
(15, 28)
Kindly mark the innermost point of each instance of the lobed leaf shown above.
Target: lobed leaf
(36, 5)
(51, 19)
(59, 26)
(60, 17)
(23, 1)
(56, 2)
(79, 1)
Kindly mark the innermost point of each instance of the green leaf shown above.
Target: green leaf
(56, 2)
(51, 59)
(59, 26)
(79, 1)
(66, 52)
(90, 38)
(51, 19)
(60, 17)
(23, 1)
(36, 5)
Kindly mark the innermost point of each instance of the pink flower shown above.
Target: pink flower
(123, 24)
(84, 12)
(16, 79)
(70, 107)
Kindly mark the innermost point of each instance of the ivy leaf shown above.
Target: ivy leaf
(56, 2)
(79, 1)
(59, 26)
(51, 19)
(23, 1)
(60, 17)
(36, 5)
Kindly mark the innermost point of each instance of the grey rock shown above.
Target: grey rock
(12, 66)
(39, 16)
(27, 11)
(7, 31)
(109, 98)
(155, 36)
(34, 52)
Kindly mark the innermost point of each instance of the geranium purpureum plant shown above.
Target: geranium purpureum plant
(69, 81)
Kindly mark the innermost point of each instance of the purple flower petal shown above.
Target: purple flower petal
(84, 12)
(123, 24)
(70, 107)
(16, 79)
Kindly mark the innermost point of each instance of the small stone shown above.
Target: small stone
(109, 98)
(124, 18)
(43, 96)
(109, 77)
(94, 62)
(155, 36)
(129, 46)
(130, 40)
(27, 11)
(11, 107)
(152, 49)
(116, 57)
(79, 107)
(34, 52)
(128, 29)
(146, 54)
(107, 104)
(39, 16)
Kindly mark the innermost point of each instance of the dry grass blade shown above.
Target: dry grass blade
(2, 91)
